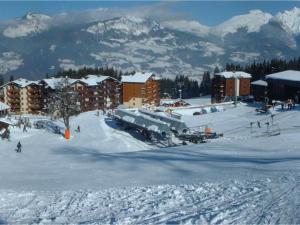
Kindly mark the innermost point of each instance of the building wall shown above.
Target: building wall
(244, 87)
(34, 99)
(222, 88)
(283, 89)
(103, 96)
(12, 97)
(230, 87)
(258, 92)
(20, 100)
(136, 95)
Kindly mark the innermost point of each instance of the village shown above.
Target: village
(123, 137)
(135, 102)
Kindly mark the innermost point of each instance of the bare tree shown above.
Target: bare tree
(65, 101)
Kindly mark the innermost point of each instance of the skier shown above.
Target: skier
(19, 147)
(78, 129)
(258, 124)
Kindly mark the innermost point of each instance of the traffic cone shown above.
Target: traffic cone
(67, 134)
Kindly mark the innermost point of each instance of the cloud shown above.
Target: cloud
(190, 26)
(67, 64)
(160, 12)
(10, 61)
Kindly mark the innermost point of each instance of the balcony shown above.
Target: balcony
(14, 101)
(13, 95)
(35, 106)
(13, 90)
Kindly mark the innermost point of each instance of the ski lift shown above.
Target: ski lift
(274, 130)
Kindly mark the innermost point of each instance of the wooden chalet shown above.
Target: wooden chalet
(226, 85)
(141, 89)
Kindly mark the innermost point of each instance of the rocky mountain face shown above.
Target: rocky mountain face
(36, 44)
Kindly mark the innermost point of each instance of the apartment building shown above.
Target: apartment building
(98, 92)
(226, 85)
(141, 89)
(23, 96)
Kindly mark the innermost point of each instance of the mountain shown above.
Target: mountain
(31, 23)
(36, 44)
(290, 20)
(252, 22)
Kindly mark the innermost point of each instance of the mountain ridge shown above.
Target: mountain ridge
(35, 44)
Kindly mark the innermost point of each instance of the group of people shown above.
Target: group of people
(289, 104)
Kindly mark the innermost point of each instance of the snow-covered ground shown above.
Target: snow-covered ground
(104, 175)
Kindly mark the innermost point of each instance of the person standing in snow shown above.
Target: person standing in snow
(258, 124)
(24, 128)
(19, 147)
(78, 129)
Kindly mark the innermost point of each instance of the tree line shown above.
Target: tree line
(190, 88)
(169, 87)
(259, 70)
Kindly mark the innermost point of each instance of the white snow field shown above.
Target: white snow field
(106, 176)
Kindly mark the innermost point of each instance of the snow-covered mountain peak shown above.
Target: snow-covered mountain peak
(36, 16)
(31, 23)
(251, 21)
(129, 25)
(290, 20)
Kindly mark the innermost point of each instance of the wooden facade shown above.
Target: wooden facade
(23, 96)
(103, 95)
(140, 93)
(223, 86)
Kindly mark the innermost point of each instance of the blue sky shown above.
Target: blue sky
(206, 12)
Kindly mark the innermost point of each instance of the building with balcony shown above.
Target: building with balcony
(98, 92)
(141, 89)
(23, 96)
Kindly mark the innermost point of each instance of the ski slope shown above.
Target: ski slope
(107, 176)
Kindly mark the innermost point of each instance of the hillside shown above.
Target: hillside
(104, 175)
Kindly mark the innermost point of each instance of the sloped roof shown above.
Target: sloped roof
(236, 74)
(22, 82)
(260, 83)
(93, 80)
(289, 75)
(137, 77)
(54, 82)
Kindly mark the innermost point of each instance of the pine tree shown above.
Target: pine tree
(1, 79)
(11, 78)
(205, 86)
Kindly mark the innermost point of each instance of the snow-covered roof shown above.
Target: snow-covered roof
(236, 74)
(93, 80)
(290, 75)
(3, 120)
(137, 78)
(3, 106)
(260, 83)
(22, 82)
(54, 82)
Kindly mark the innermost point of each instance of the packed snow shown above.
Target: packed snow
(107, 175)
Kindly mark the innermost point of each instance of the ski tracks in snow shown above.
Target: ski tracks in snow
(264, 201)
